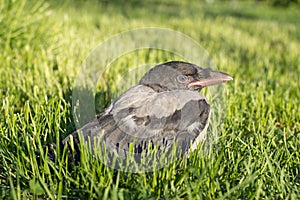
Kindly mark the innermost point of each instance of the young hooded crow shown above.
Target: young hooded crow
(164, 109)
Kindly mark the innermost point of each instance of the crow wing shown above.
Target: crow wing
(142, 116)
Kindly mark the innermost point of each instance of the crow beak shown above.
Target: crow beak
(207, 77)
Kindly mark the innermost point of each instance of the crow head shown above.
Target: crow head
(181, 75)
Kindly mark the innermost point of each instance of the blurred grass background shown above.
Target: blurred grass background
(257, 154)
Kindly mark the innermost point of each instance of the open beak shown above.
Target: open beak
(207, 77)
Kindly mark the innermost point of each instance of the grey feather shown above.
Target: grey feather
(161, 111)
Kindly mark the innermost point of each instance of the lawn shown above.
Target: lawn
(253, 146)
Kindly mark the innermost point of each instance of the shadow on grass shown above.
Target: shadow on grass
(102, 100)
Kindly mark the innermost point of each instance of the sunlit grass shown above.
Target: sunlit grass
(253, 154)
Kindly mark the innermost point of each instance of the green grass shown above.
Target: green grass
(257, 152)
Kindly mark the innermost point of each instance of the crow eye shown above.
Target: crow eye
(182, 78)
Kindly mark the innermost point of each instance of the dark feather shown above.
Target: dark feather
(116, 130)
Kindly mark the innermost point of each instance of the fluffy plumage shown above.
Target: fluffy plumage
(165, 108)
